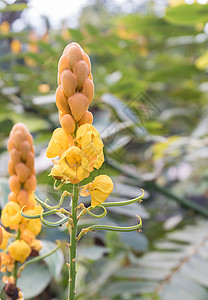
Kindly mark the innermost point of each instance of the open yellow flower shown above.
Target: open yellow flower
(11, 215)
(19, 250)
(59, 143)
(99, 189)
(74, 164)
(90, 142)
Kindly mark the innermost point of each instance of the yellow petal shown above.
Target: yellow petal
(99, 161)
(58, 142)
(98, 197)
(100, 188)
(102, 183)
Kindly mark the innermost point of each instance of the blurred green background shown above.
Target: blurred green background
(149, 65)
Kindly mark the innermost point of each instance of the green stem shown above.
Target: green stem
(73, 243)
(16, 262)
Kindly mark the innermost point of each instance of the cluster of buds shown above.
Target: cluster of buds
(21, 244)
(76, 89)
(77, 143)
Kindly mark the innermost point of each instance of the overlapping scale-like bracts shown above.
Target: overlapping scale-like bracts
(22, 181)
(75, 88)
(21, 243)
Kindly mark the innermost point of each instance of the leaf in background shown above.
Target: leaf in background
(55, 261)
(135, 240)
(4, 191)
(34, 279)
(92, 252)
(187, 14)
(14, 7)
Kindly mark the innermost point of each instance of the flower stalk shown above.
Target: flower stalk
(73, 242)
(79, 147)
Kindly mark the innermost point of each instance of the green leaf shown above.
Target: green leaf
(136, 241)
(187, 14)
(55, 261)
(14, 7)
(34, 279)
(127, 288)
(92, 252)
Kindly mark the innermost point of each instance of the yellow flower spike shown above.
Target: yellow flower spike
(74, 164)
(99, 189)
(58, 143)
(19, 250)
(11, 215)
(6, 235)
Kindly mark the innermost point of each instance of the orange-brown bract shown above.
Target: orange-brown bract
(22, 183)
(75, 88)
(21, 165)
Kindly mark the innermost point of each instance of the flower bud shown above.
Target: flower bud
(78, 104)
(18, 138)
(30, 184)
(69, 82)
(10, 144)
(68, 124)
(15, 156)
(61, 100)
(14, 184)
(88, 89)
(30, 160)
(74, 53)
(29, 139)
(87, 60)
(86, 118)
(24, 149)
(61, 114)
(12, 197)
(81, 70)
(63, 63)
(11, 168)
(19, 127)
(22, 171)
(23, 198)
